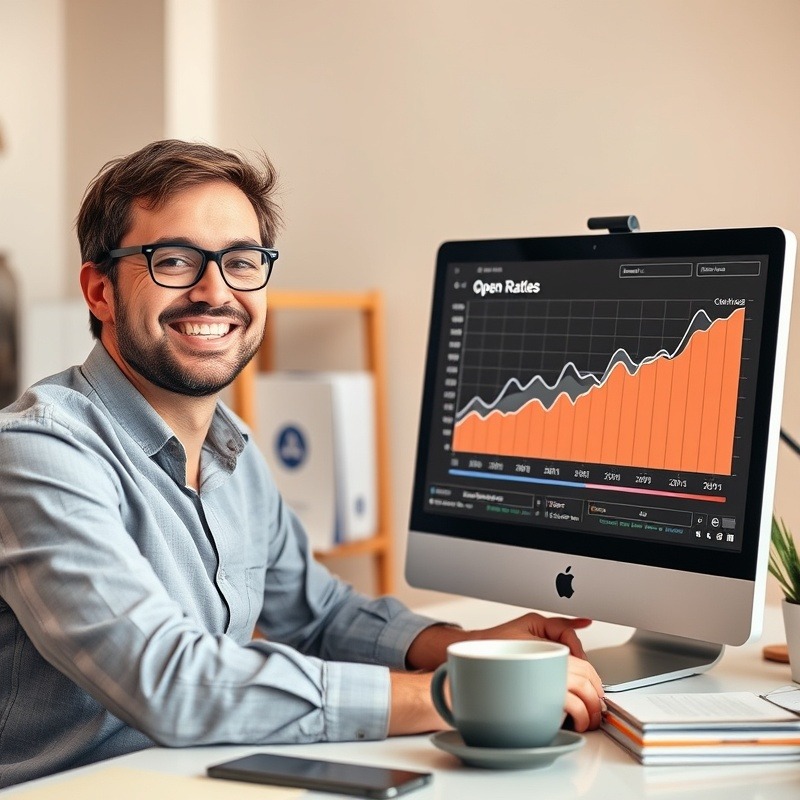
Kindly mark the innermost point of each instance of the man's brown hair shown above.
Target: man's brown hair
(153, 175)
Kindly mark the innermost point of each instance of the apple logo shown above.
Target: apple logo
(564, 583)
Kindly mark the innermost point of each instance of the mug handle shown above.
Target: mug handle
(437, 694)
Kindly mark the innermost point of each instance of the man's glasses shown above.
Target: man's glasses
(179, 266)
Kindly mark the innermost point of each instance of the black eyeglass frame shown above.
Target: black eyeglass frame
(216, 256)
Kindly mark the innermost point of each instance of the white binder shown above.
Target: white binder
(317, 432)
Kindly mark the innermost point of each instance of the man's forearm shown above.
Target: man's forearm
(429, 649)
(412, 710)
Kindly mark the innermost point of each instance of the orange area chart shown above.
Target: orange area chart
(673, 412)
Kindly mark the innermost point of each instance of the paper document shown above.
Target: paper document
(684, 709)
(787, 697)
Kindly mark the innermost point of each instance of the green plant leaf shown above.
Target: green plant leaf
(784, 562)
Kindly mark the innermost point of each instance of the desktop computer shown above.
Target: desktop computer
(599, 431)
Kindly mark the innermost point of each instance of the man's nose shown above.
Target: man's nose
(211, 288)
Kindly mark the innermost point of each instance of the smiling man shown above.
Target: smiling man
(142, 538)
(181, 332)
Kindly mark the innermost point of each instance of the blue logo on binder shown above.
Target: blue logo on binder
(290, 447)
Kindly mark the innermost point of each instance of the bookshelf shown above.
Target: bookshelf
(369, 305)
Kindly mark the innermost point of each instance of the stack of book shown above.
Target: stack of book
(728, 727)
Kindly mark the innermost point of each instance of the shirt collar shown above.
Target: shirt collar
(226, 436)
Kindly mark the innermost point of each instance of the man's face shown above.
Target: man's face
(191, 341)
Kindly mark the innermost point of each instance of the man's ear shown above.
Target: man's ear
(98, 292)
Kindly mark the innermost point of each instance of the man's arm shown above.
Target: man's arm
(412, 710)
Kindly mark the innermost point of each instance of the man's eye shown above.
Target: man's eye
(173, 263)
(241, 264)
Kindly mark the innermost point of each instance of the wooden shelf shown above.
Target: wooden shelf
(370, 306)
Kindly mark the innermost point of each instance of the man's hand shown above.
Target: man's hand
(584, 702)
(535, 626)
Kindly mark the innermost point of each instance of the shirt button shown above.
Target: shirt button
(361, 735)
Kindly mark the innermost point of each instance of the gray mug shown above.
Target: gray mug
(504, 692)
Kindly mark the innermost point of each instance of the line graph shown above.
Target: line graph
(674, 408)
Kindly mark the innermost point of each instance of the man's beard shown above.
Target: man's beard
(156, 363)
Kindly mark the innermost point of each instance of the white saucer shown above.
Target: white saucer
(508, 757)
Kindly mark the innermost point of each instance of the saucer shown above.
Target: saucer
(508, 757)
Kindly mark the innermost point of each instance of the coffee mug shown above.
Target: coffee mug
(504, 692)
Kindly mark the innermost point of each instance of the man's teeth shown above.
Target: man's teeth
(213, 330)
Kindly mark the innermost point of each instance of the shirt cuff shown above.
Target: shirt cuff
(395, 639)
(357, 699)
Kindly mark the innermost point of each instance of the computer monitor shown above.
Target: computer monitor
(599, 432)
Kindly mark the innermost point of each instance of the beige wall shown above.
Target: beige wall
(31, 164)
(114, 91)
(399, 125)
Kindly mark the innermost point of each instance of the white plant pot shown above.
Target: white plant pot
(791, 622)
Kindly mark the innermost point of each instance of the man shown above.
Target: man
(141, 537)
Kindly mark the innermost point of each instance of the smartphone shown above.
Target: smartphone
(321, 776)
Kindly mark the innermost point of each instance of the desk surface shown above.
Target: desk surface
(600, 769)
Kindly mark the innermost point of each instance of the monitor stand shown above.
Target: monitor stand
(648, 658)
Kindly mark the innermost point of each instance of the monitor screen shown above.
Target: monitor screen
(599, 426)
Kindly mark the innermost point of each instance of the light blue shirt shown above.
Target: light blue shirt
(127, 600)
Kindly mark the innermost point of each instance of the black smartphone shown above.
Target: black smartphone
(321, 776)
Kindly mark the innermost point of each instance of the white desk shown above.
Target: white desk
(598, 770)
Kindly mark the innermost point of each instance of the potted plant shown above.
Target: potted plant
(784, 564)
